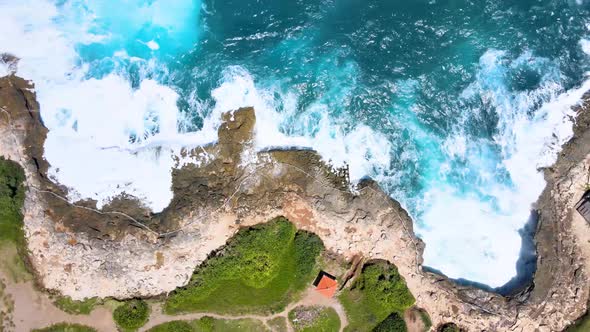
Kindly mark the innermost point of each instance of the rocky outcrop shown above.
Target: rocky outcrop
(563, 236)
(125, 251)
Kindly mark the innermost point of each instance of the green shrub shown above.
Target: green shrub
(385, 287)
(205, 324)
(376, 293)
(308, 247)
(132, 315)
(393, 323)
(65, 327)
(259, 270)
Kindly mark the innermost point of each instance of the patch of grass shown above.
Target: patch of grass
(132, 315)
(261, 269)
(376, 293)
(425, 319)
(209, 324)
(65, 327)
(174, 326)
(12, 264)
(314, 319)
(12, 196)
(66, 304)
(111, 303)
(393, 323)
(278, 324)
(12, 237)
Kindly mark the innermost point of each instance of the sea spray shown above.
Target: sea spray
(78, 55)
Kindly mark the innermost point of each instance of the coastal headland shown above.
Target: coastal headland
(125, 251)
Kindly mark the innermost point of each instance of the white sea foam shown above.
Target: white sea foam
(93, 138)
(467, 237)
(90, 120)
(362, 148)
(153, 45)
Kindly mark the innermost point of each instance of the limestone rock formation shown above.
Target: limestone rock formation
(124, 250)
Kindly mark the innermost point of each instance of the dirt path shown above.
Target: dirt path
(313, 298)
(310, 298)
(34, 310)
(413, 321)
(157, 317)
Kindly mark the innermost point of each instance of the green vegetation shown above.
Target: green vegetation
(393, 323)
(450, 327)
(7, 307)
(208, 324)
(132, 315)
(278, 324)
(174, 326)
(583, 325)
(425, 319)
(12, 240)
(65, 327)
(12, 196)
(377, 292)
(260, 270)
(66, 304)
(312, 319)
(12, 264)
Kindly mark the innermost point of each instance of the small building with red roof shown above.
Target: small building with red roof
(326, 284)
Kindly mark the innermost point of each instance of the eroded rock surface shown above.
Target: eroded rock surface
(125, 251)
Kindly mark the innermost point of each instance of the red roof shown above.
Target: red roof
(327, 286)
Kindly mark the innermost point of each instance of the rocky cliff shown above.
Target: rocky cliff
(124, 250)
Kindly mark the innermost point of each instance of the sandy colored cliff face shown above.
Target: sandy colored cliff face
(125, 251)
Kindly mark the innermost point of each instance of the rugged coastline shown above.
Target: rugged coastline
(124, 251)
